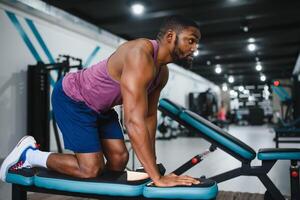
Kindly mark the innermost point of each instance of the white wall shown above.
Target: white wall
(61, 33)
(16, 55)
(182, 82)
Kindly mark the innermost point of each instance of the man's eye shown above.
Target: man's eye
(191, 41)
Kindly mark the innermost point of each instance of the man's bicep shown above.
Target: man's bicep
(134, 98)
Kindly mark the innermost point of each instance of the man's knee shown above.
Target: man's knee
(90, 167)
(90, 171)
(120, 159)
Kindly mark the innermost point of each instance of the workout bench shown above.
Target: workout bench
(239, 150)
(110, 185)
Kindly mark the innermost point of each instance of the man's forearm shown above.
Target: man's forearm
(151, 122)
(143, 147)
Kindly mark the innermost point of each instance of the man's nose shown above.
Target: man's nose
(194, 47)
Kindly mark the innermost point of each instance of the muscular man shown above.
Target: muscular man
(134, 76)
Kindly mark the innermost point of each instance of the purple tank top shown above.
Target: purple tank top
(96, 88)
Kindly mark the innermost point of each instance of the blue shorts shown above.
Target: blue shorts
(81, 127)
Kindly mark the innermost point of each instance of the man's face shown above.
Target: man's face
(185, 44)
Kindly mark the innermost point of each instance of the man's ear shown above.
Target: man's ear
(170, 35)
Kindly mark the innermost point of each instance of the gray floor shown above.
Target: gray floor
(173, 153)
(5, 190)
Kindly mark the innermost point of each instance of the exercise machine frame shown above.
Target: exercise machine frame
(38, 98)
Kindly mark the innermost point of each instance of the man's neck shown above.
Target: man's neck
(163, 57)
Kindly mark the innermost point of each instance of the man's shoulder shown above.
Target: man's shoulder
(142, 44)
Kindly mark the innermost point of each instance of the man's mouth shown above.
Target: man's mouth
(189, 57)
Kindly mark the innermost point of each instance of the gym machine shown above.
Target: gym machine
(39, 83)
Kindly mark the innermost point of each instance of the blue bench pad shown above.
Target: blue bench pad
(112, 184)
(207, 189)
(279, 154)
(22, 176)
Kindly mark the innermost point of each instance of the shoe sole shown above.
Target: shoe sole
(14, 156)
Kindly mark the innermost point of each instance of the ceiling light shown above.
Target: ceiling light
(137, 8)
(258, 67)
(263, 78)
(245, 29)
(251, 47)
(230, 79)
(244, 25)
(251, 40)
(196, 53)
(218, 69)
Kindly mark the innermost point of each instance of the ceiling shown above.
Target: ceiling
(273, 24)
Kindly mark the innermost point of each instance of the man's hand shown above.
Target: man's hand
(171, 180)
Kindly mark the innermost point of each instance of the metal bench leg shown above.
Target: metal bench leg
(294, 178)
(18, 193)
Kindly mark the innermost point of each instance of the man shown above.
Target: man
(134, 76)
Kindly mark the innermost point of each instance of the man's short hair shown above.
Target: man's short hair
(176, 23)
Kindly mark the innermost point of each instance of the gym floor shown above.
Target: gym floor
(173, 153)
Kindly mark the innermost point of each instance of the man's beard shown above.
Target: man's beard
(176, 54)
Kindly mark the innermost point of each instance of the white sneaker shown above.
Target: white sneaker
(17, 157)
